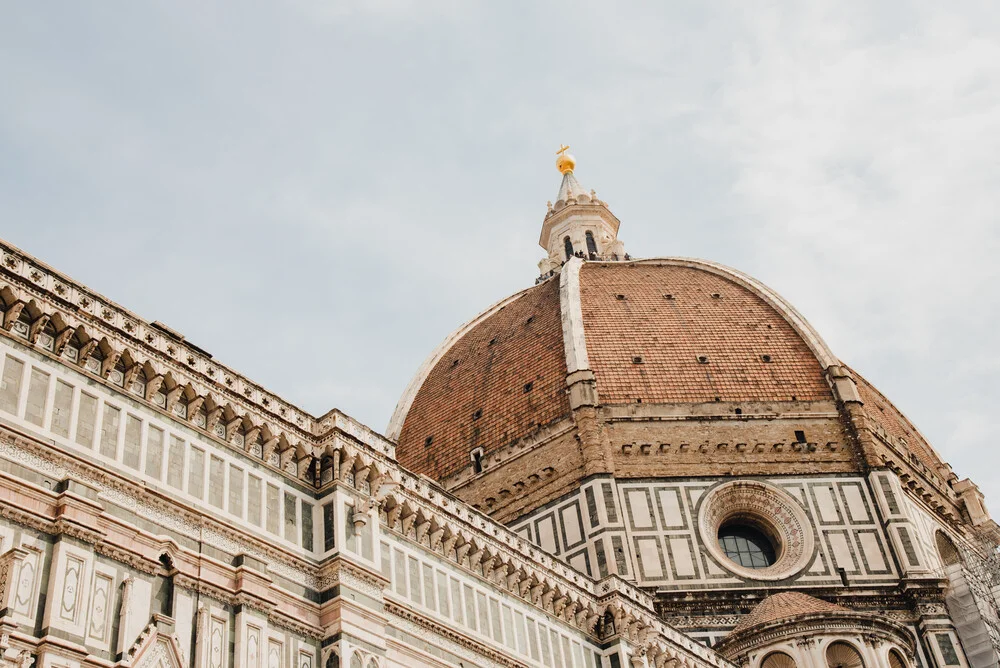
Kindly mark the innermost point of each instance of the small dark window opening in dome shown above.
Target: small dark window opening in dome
(493, 341)
(428, 441)
(739, 411)
(747, 546)
(591, 244)
(528, 387)
(620, 297)
(477, 460)
(454, 363)
(638, 401)
(637, 360)
(668, 296)
(800, 436)
(478, 414)
(568, 245)
(716, 295)
(529, 320)
(718, 398)
(794, 398)
(765, 358)
(702, 359)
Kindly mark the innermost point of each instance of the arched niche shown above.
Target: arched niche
(842, 654)
(778, 660)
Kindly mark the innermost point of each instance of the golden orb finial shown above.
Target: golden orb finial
(565, 162)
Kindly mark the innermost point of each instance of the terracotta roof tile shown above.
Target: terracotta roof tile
(496, 359)
(785, 605)
(627, 314)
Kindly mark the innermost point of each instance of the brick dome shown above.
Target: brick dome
(664, 331)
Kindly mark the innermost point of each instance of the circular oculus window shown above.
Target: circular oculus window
(756, 530)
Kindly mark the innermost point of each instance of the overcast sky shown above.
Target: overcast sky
(319, 192)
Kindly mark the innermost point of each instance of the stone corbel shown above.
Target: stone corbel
(232, 426)
(547, 598)
(194, 406)
(436, 537)
(422, 529)
(392, 516)
(12, 313)
(269, 447)
(213, 418)
(110, 360)
(172, 397)
(302, 465)
(535, 592)
(488, 563)
(515, 576)
(500, 572)
(37, 326)
(153, 386)
(62, 338)
(251, 438)
(407, 524)
(449, 544)
(346, 466)
(86, 350)
(130, 374)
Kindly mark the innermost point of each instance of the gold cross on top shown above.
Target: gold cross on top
(562, 149)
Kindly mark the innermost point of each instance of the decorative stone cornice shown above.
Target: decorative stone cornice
(737, 645)
(59, 311)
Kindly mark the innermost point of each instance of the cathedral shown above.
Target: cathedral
(631, 463)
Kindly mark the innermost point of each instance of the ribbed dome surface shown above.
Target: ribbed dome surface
(785, 605)
(700, 338)
(661, 332)
(476, 395)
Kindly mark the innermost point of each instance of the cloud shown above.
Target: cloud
(865, 148)
(319, 192)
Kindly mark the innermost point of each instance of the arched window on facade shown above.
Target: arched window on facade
(777, 660)
(568, 245)
(896, 659)
(591, 244)
(950, 556)
(356, 660)
(843, 655)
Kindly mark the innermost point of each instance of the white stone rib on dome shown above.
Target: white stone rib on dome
(576, 351)
(395, 426)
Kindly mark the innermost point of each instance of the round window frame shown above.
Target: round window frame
(768, 509)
